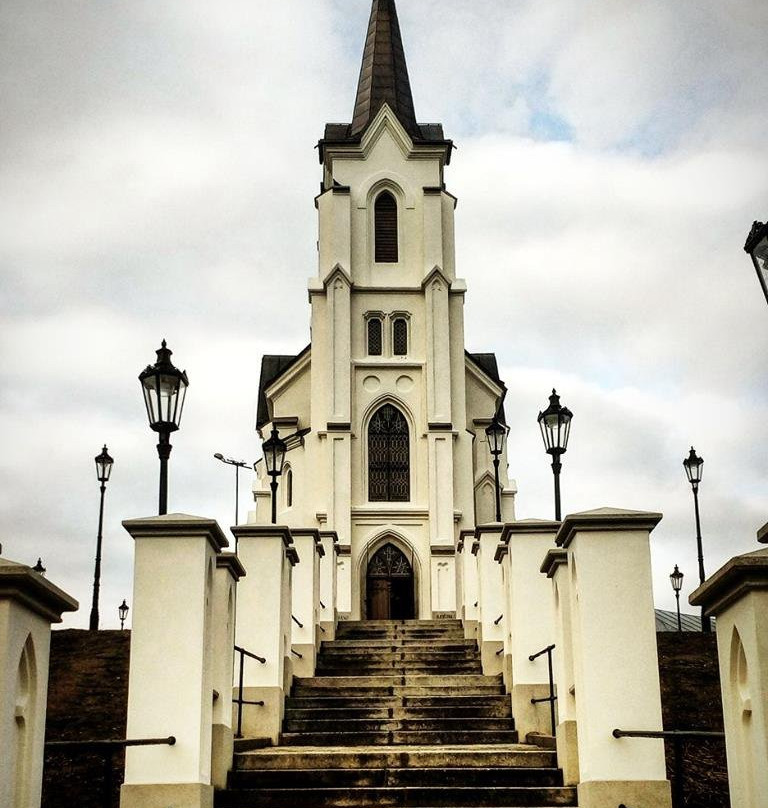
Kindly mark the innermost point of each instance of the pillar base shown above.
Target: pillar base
(492, 663)
(568, 751)
(304, 666)
(177, 795)
(222, 754)
(261, 722)
(531, 717)
(330, 630)
(632, 793)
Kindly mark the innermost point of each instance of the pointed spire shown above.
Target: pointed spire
(384, 74)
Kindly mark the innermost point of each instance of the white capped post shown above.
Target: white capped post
(490, 597)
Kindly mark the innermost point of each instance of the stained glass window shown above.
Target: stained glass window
(385, 217)
(374, 336)
(388, 456)
(400, 336)
(389, 562)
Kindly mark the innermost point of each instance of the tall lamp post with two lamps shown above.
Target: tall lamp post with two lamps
(103, 470)
(555, 425)
(164, 387)
(238, 464)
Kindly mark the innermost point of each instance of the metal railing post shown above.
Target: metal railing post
(551, 698)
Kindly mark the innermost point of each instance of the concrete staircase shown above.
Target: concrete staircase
(399, 714)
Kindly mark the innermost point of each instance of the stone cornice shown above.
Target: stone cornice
(733, 581)
(177, 526)
(605, 520)
(552, 560)
(21, 583)
(232, 563)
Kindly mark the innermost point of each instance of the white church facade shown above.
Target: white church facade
(385, 411)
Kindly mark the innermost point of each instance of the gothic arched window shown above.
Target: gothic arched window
(289, 488)
(389, 470)
(374, 336)
(385, 227)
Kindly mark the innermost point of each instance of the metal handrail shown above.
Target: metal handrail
(240, 701)
(498, 620)
(322, 605)
(677, 736)
(108, 748)
(296, 620)
(551, 698)
(294, 651)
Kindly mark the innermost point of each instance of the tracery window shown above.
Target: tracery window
(388, 456)
(400, 336)
(389, 562)
(375, 342)
(385, 227)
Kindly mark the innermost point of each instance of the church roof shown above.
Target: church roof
(488, 364)
(383, 80)
(272, 367)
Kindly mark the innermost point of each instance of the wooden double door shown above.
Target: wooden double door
(389, 585)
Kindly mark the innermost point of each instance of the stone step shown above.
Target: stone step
(327, 701)
(401, 691)
(342, 757)
(396, 680)
(387, 777)
(416, 797)
(347, 712)
(398, 668)
(398, 643)
(344, 725)
(397, 737)
(421, 634)
(401, 651)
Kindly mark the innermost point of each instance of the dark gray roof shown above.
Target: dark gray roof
(488, 364)
(272, 367)
(667, 621)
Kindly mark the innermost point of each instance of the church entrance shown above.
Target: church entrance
(389, 585)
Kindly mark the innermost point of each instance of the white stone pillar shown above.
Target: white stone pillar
(555, 567)
(170, 686)
(737, 595)
(490, 597)
(616, 667)
(28, 605)
(344, 581)
(438, 365)
(263, 624)
(328, 584)
(305, 596)
(229, 570)
(467, 562)
(527, 630)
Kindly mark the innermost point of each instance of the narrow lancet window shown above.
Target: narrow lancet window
(374, 336)
(388, 456)
(385, 215)
(400, 336)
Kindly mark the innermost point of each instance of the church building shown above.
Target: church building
(384, 412)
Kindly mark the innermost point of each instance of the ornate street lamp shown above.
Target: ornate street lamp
(676, 579)
(555, 425)
(122, 611)
(39, 568)
(496, 432)
(757, 247)
(103, 470)
(274, 456)
(164, 387)
(238, 464)
(694, 468)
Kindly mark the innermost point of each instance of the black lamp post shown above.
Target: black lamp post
(274, 456)
(676, 578)
(757, 247)
(164, 387)
(238, 464)
(555, 425)
(694, 468)
(103, 470)
(496, 433)
(122, 611)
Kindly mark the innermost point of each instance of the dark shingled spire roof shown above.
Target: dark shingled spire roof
(384, 74)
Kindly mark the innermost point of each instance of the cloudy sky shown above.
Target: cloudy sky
(157, 175)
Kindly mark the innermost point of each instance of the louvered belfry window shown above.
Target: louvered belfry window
(388, 456)
(385, 214)
(374, 336)
(400, 336)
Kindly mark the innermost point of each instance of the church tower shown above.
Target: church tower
(384, 411)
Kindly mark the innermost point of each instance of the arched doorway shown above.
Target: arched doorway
(389, 585)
